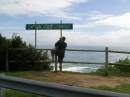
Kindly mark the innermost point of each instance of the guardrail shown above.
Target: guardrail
(106, 52)
(52, 89)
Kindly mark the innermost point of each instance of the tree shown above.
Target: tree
(24, 59)
(3, 48)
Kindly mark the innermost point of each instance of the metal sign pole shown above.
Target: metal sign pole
(35, 35)
(61, 29)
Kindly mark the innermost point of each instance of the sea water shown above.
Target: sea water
(94, 57)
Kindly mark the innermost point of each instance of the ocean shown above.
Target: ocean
(89, 57)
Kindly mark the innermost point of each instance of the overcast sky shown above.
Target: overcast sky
(95, 22)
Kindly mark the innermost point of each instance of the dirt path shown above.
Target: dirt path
(83, 80)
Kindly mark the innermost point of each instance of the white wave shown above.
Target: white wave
(76, 69)
(81, 69)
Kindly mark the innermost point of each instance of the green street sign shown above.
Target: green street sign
(49, 26)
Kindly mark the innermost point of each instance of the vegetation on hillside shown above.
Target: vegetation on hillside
(126, 65)
(26, 59)
(120, 68)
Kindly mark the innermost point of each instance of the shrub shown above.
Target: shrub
(24, 59)
(108, 70)
(123, 65)
(3, 48)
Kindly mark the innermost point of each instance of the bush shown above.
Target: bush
(108, 70)
(26, 59)
(3, 48)
(123, 65)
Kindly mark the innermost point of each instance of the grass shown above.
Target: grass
(42, 76)
(123, 88)
(34, 75)
(14, 93)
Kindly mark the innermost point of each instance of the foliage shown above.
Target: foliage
(3, 48)
(108, 70)
(3, 43)
(122, 65)
(16, 42)
(120, 68)
(123, 61)
(24, 59)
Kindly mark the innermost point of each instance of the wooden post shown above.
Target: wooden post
(6, 61)
(106, 56)
(55, 63)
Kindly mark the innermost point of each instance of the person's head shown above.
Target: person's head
(63, 38)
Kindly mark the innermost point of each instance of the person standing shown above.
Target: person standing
(60, 47)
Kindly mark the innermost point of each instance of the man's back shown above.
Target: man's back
(60, 47)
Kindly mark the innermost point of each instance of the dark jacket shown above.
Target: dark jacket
(60, 47)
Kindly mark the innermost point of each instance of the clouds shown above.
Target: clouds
(93, 24)
(121, 21)
(38, 7)
(118, 37)
(112, 37)
(99, 19)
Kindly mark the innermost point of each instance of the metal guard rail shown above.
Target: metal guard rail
(53, 89)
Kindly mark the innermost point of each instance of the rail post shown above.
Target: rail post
(6, 61)
(106, 56)
(55, 63)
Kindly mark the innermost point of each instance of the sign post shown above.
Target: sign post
(35, 35)
(60, 30)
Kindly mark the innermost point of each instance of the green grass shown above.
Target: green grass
(23, 73)
(14, 93)
(124, 88)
